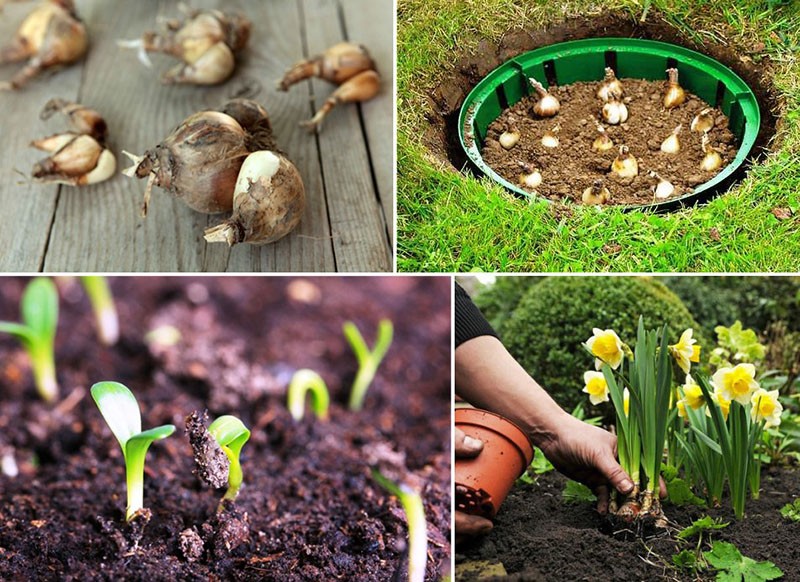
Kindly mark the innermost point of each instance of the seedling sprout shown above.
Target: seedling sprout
(105, 311)
(121, 411)
(302, 382)
(37, 332)
(417, 527)
(231, 434)
(368, 360)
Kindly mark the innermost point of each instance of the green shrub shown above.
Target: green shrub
(498, 301)
(546, 331)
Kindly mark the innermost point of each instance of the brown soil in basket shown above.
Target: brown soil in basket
(573, 166)
(538, 537)
(309, 508)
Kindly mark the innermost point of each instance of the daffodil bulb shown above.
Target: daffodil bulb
(767, 407)
(606, 347)
(675, 94)
(712, 160)
(703, 121)
(625, 165)
(550, 137)
(602, 142)
(664, 188)
(530, 177)
(737, 383)
(609, 85)
(615, 111)
(596, 194)
(596, 387)
(508, 139)
(672, 145)
(547, 105)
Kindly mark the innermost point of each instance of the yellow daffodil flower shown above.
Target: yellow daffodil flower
(596, 387)
(626, 401)
(681, 409)
(724, 405)
(685, 351)
(606, 347)
(692, 394)
(766, 407)
(737, 383)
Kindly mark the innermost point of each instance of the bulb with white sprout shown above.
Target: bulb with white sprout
(510, 137)
(602, 142)
(547, 105)
(596, 194)
(625, 164)
(671, 144)
(615, 111)
(530, 177)
(663, 189)
(675, 94)
(550, 137)
(610, 85)
(712, 160)
(703, 121)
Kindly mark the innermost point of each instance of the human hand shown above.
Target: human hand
(467, 525)
(588, 454)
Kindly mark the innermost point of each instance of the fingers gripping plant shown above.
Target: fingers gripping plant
(121, 412)
(37, 333)
(231, 434)
(307, 381)
(368, 360)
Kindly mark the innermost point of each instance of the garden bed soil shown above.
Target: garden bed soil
(537, 537)
(309, 509)
(441, 136)
(570, 168)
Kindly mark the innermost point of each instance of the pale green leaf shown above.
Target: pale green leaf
(119, 408)
(230, 432)
(40, 307)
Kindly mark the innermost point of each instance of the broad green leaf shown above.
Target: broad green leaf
(230, 432)
(681, 494)
(40, 307)
(139, 443)
(734, 567)
(119, 407)
(685, 559)
(700, 525)
(575, 492)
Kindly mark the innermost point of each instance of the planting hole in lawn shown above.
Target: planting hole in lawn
(718, 75)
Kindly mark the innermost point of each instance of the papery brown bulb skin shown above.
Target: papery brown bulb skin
(268, 203)
(339, 63)
(76, 160)
(254, 119)
(675, 94)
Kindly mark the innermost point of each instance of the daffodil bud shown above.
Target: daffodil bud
(625, 165)
(547, 105)
(675, 94)
(596, 194)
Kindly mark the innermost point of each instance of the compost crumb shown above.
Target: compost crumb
(212, 464)
(573, 166)
(191, 544)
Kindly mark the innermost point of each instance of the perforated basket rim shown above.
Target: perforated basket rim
(683, 56)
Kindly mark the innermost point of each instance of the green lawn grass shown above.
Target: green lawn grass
(450, 222)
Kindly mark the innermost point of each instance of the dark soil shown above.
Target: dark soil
(538, 537)
(308, 510)
(469, 69)
(573, 166)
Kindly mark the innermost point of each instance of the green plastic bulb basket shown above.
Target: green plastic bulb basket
(585, 60)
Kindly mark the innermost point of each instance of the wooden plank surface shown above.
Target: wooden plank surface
(345, 169)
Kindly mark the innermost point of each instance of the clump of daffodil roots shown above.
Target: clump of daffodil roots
(37, 333)
(121, 412)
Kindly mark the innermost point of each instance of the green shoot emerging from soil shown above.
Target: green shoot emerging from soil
(231, 434)
(104, 309)
(368, 360)
(417, 527)
(791, 511)
(304, 381)
(37, 333)
(121, 411)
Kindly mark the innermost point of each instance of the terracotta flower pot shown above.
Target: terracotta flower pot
(482, 483)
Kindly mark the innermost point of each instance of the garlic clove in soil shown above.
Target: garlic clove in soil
(663, 189)
(50, 36)
(547, 105)
(671, 144)
(712, 160)
(77, 160)
(508, 139)
(531, 177)
(615, 111)
(362, 87)
(625, 164)
(602, 142)
(596, 194)
(336, 65)
(610, 85)
(703, 121)
(550, 137)
(267, 204)
(198, 162)
(675, 94)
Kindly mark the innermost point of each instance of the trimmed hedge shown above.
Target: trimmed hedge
(546, 331)
(498, 301)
